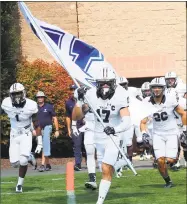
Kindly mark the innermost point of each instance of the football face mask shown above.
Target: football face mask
(146, 93)
(157, 91)
(171, 82)
(105, 89)
(17, 97)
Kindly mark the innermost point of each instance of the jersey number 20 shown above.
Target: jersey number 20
(160, 116)
(106, 113)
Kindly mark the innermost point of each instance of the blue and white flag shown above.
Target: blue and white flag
(78, 58)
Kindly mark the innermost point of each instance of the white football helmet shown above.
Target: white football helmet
(171, 79)
(123, 82)
(105, 81)
(145, 89)
(158, 83)
(17, 94)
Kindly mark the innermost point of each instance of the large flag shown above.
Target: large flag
(78, 58)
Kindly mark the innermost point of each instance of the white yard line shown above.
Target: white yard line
(130, 176)
(57, 179)
(7, 182)
(32, 192)
(37, 192)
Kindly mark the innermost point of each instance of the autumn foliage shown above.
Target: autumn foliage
(52, 79)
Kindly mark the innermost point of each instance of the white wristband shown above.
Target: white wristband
(39, 140)
(74, 123)
(184, 128)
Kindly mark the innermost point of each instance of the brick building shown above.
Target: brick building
(140, 39)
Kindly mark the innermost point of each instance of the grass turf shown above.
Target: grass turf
(147, 188)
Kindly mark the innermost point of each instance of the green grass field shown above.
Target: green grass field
(147, 188)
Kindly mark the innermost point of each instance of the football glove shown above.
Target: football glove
(39, 146)
(146, 138)
(109, 130)
(183, 139)
(75, 131)
(81, 92)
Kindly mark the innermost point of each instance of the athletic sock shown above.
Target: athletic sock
(103, 190)
(167, 179)
(20, 181)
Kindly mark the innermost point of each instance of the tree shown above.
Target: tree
(10, 44)
(52, 79)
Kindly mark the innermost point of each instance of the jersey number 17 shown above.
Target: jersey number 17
(106, 114)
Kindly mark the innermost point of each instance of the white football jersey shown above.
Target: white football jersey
(19, 117)
(164, 121)
(134, 92)
(173, 92)
(109, 110)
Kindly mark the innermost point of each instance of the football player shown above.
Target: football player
(21, 112)
(182, 128)
(165, 130)
(171, 80)
(174, 86)
(127, 135)
(146, 92)
(183, 101)
(145, 89)
(89, 143)
(110, 101)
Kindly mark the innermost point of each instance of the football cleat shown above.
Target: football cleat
(141, 157)
(119, 173)
(91, 184)
(148, 156)
(19, 189)
(169, 185)
(175, 167)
